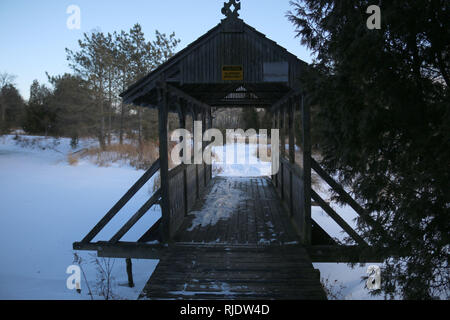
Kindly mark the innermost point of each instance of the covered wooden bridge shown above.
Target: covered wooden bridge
(265, 246)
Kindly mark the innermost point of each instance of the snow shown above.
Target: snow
(349, 278)
(218, 208)
(47, 204)
(239, 160)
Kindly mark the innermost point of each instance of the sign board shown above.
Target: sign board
(235, 73)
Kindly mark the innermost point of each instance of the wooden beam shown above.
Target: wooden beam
(236, 103)
(344, 254)
(135, 218)
(210, 127)
(320, 236)
(306, 133)
(133, 250)
(291, 94)
(282, 149)
(121, 203)
(197, 180)
(152, 234)
(183, 95)
(345, 196)
(164, 160)
(337, 218)
(274, 126)
(130, 272)
(291, 119)
(291, 152)
(204, 146)
(182, 122)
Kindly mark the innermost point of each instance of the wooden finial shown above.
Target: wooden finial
(228, 11)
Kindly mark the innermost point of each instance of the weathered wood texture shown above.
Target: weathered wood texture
(269, 71)
(227, 272)
(122, 202)
(177, 193)
(256, 218)
(292, 198)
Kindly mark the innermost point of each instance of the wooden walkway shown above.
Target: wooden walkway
(237, 243)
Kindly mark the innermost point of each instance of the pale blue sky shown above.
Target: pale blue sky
(33, 34)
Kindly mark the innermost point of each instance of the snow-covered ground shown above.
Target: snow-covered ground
(47, 204)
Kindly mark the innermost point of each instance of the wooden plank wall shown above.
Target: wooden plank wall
(296, 193)
(178, 194)
(249, 48)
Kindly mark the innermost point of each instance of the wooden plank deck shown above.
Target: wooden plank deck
(243, 211)
(237, 243)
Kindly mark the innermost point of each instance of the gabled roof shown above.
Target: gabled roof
(197, 69)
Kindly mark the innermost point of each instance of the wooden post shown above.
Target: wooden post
(197, 181)
(182, 121)
(164, 165)
(306, 133)
(282, 148)
(204, 146)
(291, 132)
(274, 126)
(291, 152)
(130, 272)
(210, 127)
(283, 132)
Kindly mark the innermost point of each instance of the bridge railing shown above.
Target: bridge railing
(289, 184)
(122, 202)
(186, 184)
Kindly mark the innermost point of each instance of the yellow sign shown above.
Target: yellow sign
(235, 73)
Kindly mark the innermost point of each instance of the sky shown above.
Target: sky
(34, 34)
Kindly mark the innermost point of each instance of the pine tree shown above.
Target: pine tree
(384, 125)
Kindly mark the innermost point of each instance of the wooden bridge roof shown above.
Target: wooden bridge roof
(266, 72)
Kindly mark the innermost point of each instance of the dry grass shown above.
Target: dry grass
(72, 159)
(139, 157)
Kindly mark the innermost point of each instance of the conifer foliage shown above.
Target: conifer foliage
(382, 99)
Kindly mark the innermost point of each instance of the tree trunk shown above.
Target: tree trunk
(122, 111)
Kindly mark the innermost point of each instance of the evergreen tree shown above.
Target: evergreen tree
(11, 108)
(74, 107)
(384, 123)
(39, 118)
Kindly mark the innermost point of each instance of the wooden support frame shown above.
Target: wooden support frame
(197, 178)
(182, 124)
(135, 218)
(291, 152)
(282, 149)
(337, 218)
(279, 104)
(306, 133)
(183, 95)
(164, 161)
(344, 254)
(210, 126)
(204, 128)
(125, 250)
(345, 196)
(122, 202)
(130, 272)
